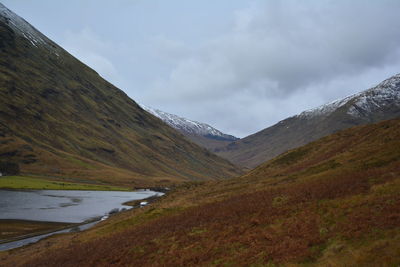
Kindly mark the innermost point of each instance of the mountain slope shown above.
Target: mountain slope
(378, 103)
(59, 118)
(200, 133)
(333, 202)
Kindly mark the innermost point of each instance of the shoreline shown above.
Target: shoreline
(58, 226)
(19, 182)
(149, 200)
(63, 227)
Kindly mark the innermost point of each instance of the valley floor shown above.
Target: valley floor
(334, 202)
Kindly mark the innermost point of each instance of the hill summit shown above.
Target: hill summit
(59, 118)
(198, 132)
(381, 102)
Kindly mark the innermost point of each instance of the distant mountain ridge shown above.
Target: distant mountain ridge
(200, 133)
(60, 119)
(381, 102)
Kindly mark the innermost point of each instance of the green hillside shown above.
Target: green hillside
(59, 118)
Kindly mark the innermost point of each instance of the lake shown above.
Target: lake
(65, 205)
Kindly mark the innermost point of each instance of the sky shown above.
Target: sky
(238, 65)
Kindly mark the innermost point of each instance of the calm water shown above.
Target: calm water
(64, 206)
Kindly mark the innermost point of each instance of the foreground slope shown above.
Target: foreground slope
(373, 105)
(200, 133)
(59, 118)
(333, 202)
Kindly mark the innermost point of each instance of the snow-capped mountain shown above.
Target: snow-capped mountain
(23, 27)
(381, 102)
(189, 127)
(363, 103)
(26, 30)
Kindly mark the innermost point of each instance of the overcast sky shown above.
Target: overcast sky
(237, 65)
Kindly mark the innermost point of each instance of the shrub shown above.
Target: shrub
(9, 168)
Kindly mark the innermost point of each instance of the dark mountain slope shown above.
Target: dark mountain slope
(58, 117)
(376, 104)
(333, 202)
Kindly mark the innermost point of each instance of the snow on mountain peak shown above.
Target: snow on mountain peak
(188, 126)
(20, 26)
(364, 102)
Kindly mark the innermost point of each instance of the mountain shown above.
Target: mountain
(379, 103)
(333, 202)
(199, 133)
(59, 119)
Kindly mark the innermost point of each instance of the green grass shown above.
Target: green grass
(292, 157)
(80, 163)
(24, 182)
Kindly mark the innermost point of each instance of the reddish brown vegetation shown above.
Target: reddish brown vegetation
(237, 229)
(279, 213)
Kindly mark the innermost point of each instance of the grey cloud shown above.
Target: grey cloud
(235, 64)
(293, 47)
(278, 50)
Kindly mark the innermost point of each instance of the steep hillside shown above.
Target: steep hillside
(333, 202)
(376, 104)
(59, 118)
(200, 133)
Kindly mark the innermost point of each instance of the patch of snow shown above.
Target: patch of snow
(187, 126)
(24, 29)
(385, 93)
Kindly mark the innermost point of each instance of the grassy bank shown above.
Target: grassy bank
(16, 229)
(26, 182)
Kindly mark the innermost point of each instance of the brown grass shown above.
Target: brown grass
(15, 229)
(336, 205)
